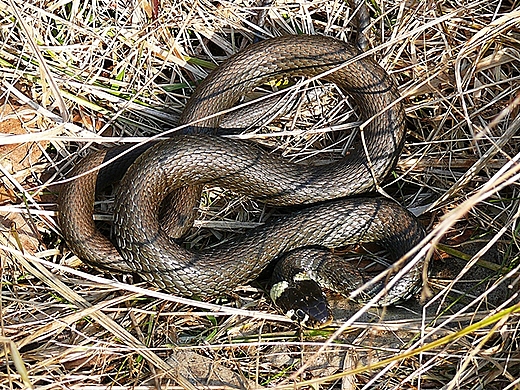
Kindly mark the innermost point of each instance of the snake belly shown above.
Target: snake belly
(188, 162)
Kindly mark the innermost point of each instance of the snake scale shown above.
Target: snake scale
(180, 166)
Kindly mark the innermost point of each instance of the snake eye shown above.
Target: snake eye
(301, 316)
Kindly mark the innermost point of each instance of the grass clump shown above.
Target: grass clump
(80, 75)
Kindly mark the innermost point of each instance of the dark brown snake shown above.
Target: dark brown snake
(184, 163)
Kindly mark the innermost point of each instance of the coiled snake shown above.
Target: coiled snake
(184, 163)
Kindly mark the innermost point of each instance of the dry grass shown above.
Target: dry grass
(78, 74)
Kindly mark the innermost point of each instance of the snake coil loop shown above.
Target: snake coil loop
(183, 164)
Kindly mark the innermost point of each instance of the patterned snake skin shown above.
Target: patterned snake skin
(184, 163)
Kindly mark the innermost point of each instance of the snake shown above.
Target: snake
(332, 210)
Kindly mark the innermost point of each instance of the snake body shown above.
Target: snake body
(183, 164)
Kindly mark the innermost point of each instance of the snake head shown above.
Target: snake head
(302, 300)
